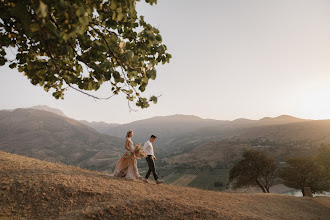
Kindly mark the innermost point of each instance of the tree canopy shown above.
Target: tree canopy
(81, 44)
(322, 159)
(303, 172)
(255, 168)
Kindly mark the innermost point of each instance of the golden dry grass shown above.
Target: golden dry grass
(34, 189)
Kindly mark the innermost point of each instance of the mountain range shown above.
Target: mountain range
(46, 133)
(169, 128)
(184, 139)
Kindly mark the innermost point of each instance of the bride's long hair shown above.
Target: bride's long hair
(129, 133)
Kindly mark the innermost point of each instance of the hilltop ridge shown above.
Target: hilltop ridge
(49, 109)
(35, 189)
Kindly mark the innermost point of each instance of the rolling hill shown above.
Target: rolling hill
(171, 127)
(52, 137)
(34, 189)
(49, 109)
(313, 132)
(179, 131)
(101, 127)
(165, 127)
(225, 147)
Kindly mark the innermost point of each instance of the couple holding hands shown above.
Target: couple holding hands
(127, 165)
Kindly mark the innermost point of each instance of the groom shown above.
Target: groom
(149, 150)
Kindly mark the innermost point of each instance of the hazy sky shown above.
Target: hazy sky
(231, 59)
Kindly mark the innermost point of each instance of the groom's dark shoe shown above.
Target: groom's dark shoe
(159, 181)
(145, 180)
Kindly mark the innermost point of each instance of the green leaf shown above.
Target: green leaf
(21, 68)
(159, 38)
(145, 79)
(46, 88)
(129, 55)
(154, 99)
(153, 74)
(13, 65)
(34, 27)
(113, 5)
(83, 20)
(2, 61)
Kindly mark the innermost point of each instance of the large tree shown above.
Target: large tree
(81, 44)
(304, 172)
(255, 168)
(322, 159)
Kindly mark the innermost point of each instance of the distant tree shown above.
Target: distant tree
(81, 44)
(256, 168)
(304, 172)
(322, 159)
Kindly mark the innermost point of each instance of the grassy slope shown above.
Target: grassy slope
(34, 189)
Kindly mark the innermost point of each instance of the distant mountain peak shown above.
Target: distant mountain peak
(242, 120)
(281, 117)
(286, 117)
(175, 117)
(49, 109)
(182, 116)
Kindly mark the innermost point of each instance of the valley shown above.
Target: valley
(191, 151)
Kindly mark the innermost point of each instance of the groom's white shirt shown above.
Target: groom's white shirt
(148, 148)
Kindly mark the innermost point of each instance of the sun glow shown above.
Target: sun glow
(316, 103)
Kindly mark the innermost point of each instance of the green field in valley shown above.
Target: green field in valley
(202, 178)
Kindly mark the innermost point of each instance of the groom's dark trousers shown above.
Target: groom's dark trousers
(152, 168)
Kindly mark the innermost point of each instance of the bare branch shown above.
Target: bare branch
(85, 93)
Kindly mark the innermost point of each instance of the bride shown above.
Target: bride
(127, 165)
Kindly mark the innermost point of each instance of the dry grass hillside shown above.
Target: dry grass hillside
(34, 189)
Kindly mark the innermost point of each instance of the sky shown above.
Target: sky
(230, 59)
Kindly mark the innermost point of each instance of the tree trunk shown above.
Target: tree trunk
(267, 186)
(259, 184)
(308, 192)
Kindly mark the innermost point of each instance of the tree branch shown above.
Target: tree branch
(85, 93)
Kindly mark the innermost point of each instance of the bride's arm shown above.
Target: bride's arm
(126, 144)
